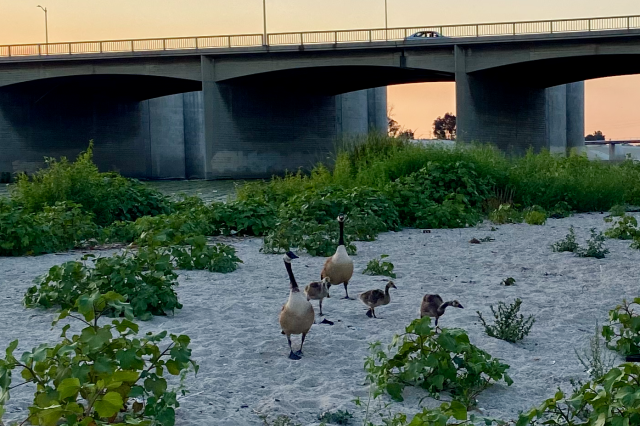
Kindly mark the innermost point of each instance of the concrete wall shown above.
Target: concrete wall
(256, 133)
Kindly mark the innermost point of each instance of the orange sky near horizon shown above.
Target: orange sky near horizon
(610, 102)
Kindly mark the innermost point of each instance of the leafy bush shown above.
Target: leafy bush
(108, 196)
(380, 267)
(451, 413)
(173, 229)
(245, 217)
(198, 255)
(595, 246)
(437, 362)
(96, 377)
(568, 244)
(146, 278)
(613, 399)
(622, 333)
(508, 325)
(56, 228)
(625, 228)
(506, 213)
(315, 239)
(535, 215)
(596, 360)
(560, 210)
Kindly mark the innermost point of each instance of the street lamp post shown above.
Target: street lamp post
(265, 41)
(386, 21)
(46, 27)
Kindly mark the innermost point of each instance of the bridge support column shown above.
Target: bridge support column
(514, 116)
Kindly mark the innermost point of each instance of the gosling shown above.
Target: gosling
(375, 298)
(318, 291)
(432, 306)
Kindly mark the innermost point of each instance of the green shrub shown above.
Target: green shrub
(613, 399)
(244, 217)
(624, 228)
(508, 325)
(535, 215)
(315, 239)
(560, 210)
(380, 267)
(109, 196)
(146, 278)
(568, 244)
(56, 228)
(622, 333)
(506, 213)
(596, 359)
(172, 229)
(104, 375)
(198, 255)
(437, 362)
(595, 246)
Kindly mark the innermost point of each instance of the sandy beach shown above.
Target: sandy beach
(232, 319)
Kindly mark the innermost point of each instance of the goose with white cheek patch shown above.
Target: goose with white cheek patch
(339, 267)
(433, 306)
(375, 298)
(297, 314)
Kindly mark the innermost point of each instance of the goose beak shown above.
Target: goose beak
(460, 306)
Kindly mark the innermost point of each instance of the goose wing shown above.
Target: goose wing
(372, 297)
(313, 288)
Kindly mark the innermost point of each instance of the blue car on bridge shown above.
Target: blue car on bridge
(425, 35)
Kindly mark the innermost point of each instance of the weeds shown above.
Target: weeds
(339, 417)
(595, 246)
(622, 333)
(596, 359)
(568, 244)
(508, 325)
(380, 267)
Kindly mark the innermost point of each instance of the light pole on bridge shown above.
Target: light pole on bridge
(265, 40)
(386, 21)
(46, 27)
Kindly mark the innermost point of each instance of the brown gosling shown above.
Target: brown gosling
(375, 298)
(432, 306)
(339, 267)
(318, 291)
(297, 314)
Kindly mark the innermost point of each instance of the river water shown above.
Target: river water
(208, 190)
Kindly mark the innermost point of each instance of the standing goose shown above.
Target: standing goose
(339, 267)
(375, 298)
(318, 291)
(297, 314)
(432, 306)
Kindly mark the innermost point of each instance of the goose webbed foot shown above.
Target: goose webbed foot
(326, 321)
(294, 356)
(298, 353)
(369, 313)
(348, 298)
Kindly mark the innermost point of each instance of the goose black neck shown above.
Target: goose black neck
(292, 279)
(341, 240)
(442, 307)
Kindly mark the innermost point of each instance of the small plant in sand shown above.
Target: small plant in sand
(197, 254)
(508, 325)
(611, 400)
(339, 417)
(595, 246)
(535, 215)
(506, 213)
(596, 358)
(436, 362)
(624, 227)
(380, 267)
(508, 281)
(568, 243)
(622, 333)
(102, 376)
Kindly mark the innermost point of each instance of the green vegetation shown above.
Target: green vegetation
(596, 359)
(380, 267)
(595, 246)
(104, 375)
(622, 333)
(339, 417)
(508, 325)
(568, 244)
(437, 362)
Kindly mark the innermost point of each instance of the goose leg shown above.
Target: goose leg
(374, 313)
(346, 292)
(321, 314)
(291, 354)
(299, 352)
(437, 321)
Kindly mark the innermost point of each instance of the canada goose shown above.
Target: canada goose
(339, 267)
(318, 291)
(432, 306)
(297, 314)
(375, 298)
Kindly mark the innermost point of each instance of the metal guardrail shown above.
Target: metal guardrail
(321, 37)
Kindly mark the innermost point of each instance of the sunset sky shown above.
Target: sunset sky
(611, 103)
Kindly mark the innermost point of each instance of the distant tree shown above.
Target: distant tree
(396, 130)
(394, 127)
(445, 127)
(595, 136)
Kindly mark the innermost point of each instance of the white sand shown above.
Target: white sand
(232, 319)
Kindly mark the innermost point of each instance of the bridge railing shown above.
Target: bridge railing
(322, 37)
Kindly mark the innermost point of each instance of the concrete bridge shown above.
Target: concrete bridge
(250, 106)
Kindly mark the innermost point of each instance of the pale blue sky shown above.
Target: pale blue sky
(609, 107)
